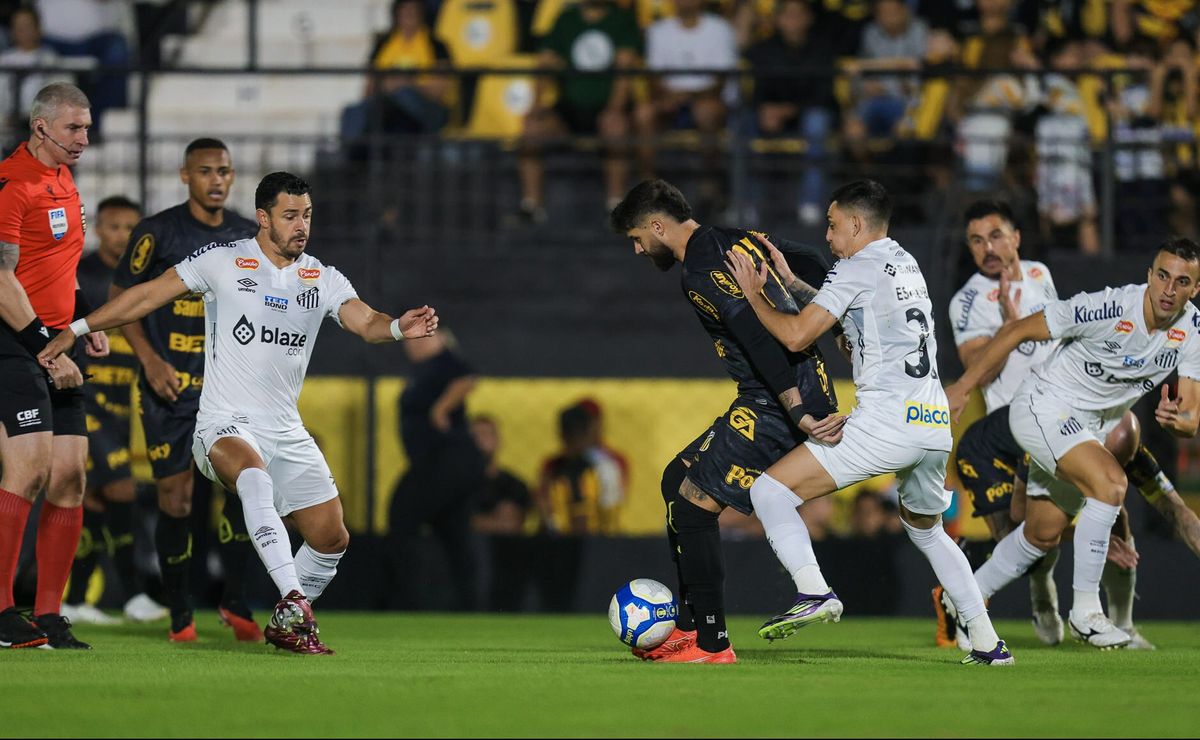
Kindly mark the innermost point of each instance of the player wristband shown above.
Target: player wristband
(796, 413)
(34, 337)
(397, 334)
(80, 327)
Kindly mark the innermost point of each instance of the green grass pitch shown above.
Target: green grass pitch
(558, 676)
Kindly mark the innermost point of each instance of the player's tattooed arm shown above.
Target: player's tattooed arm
(1181, 517)
(800, 290)
(15, 309)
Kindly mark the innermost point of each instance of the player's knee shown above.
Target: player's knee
(333, 543)
(1042, 540)
(766, 490)
(1111, 486)
(672, 479)
(688, 517)
(27, 483)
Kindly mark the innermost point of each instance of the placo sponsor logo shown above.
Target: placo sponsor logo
(926, 415)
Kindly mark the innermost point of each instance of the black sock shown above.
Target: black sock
(235, 551)
(702, 567)
(173, 539)
(86, 553)
(672, 478)
(118, 533)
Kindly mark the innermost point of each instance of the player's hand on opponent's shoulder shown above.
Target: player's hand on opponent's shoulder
(419, 322)
(1010, 302)
(750, 279)
(777, 259)
(96, 344)
(826, 431)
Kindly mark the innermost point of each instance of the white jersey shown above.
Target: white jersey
(975, 313)
(261, 324)
(1110, 360)
(880, 297)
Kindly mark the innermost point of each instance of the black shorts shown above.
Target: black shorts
(28, 403)
(751, 437)
(169, 429)
(988, 460)
(108, 449)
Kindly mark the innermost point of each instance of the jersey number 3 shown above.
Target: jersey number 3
(921, 369)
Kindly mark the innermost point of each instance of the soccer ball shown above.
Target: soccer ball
(642, 613)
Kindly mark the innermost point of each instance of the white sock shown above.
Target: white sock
(1091, 550)
(775, 506)
(1119, 584)
(953, 571)
(316, 569)
(1043, 592)
(266, 529)
(1011, 558)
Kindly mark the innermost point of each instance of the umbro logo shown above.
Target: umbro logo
(248, 285)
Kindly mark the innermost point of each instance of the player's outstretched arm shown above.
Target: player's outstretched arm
(376, 327)
(796, 332)
(1180, 415)
(994, 355)
(1181, 517)
(131, 305)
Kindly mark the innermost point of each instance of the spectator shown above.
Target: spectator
(500, 515)
(1066, 195)
(842, 23)
(869, 517)
(984, 107)
(574, 494)
(18, 90)
(591, 36)
(611, 466)
(894, 40)
(1159, 22)
(819, 518)
(446, 469)
(404, 102)
(802, 104)
(693, 39)
(95, 29)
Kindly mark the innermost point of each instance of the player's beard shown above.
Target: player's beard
(660, 254)
(285, 248)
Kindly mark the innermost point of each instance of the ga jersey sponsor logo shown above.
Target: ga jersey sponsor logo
(246, 263)
(726, 284)
(743, 420)
(1110, 310)
(1175, 336)
(139, 258)
(1123, 327)
(704, 305)
(306, 273)
(926, 415)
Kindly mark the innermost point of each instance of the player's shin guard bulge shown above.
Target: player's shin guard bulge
(702, 569)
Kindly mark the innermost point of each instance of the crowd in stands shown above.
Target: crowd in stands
(870, 81)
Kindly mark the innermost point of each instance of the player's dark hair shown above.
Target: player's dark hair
(204, 143)
(984, 208)
(574, 422)
(117, 201)
(269, 188)
(647, 197)
(868, 198)
(1181, 247)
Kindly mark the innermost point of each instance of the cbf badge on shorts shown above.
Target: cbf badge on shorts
(58, 222)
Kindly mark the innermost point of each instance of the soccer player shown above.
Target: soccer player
(169, 344)
(1124, 341)
(901, 424)
(44, 439)
(110, 495)
(265, 300)
(990, 462)
(782, 396)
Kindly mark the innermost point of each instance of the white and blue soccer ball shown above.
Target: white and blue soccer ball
(642, 613)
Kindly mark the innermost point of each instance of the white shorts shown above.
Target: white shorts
(298, 470)
(1048, 427)
(921, 474)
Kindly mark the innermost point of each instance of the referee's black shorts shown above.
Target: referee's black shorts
(28, 403)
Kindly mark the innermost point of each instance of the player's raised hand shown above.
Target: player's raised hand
(1010, 304)
(96, 344)
(777, 259)
(1167, 411)
(419, 322)
(826, 431)
(750, 279)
